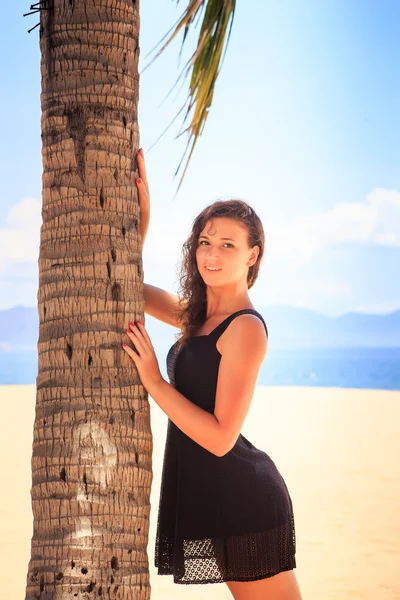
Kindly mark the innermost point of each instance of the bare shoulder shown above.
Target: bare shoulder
(246, 332)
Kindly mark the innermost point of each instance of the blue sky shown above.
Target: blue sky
(305, 126)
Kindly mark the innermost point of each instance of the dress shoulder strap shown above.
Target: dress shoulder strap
(219, 329)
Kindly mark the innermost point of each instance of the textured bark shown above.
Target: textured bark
(92, 443)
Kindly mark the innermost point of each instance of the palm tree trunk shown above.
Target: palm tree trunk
(92, 443)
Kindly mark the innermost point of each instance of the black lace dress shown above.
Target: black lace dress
(226, 518)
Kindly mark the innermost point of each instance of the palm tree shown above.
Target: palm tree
(92, 442)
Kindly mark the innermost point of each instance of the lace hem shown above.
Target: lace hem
(236, 558)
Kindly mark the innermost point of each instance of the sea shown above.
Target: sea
(368, 368)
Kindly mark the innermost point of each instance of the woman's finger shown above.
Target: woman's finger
(129, 350)
(138, 340)
(144, 198)
(142, 169)
(146, 336)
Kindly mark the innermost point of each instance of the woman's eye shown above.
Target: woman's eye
(204, 241)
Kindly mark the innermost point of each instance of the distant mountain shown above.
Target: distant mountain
(19, 328)
(301, 327)
(288, 327)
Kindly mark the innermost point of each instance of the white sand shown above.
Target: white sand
(338, 451)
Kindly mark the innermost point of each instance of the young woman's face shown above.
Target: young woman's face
(222, 244)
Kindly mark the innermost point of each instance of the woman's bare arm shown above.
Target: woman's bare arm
(143, 195)
(162, 305)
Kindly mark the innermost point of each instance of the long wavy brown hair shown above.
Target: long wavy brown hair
(192, 287)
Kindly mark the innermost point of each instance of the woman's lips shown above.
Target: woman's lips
(216, 270)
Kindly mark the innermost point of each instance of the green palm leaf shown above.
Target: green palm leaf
(205, 63)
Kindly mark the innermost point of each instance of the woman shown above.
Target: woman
(225, 513)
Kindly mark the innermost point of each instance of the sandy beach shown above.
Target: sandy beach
(337, 450)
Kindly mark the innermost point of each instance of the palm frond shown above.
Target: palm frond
(205, 63)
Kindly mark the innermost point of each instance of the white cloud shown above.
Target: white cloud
(18, 293)
(20, 241)
(379, 308)
(375, 221)
(289, 247)
(26, 215)
(166, 234)
(310, 292)
(323, 292)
